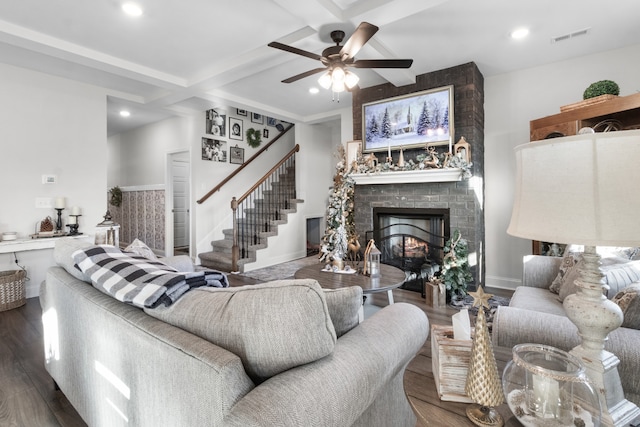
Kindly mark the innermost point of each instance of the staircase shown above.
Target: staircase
(258, 215)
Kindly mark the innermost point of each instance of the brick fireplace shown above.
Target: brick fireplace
(462, 199)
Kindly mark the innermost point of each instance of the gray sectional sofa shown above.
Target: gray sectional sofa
(284, 353)
(536, 315)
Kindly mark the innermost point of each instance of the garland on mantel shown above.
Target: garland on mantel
(429, 160)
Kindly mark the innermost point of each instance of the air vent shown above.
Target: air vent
(564, 37)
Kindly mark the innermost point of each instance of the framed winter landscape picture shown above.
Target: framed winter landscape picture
(408, 121)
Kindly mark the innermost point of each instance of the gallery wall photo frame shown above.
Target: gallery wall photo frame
(236, 129)
(236, 155)
(257, 118)
(271, 121)
(216, 123)
(241, 112)
(409, 121)
(214, 150)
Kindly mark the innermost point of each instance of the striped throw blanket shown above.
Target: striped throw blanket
(139, 281)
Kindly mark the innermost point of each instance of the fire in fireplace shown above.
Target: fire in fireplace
(411, 239)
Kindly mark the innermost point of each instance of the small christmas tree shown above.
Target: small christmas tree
(456, 274)
(483, 384)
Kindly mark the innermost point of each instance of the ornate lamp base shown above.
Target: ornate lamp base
(484, 415)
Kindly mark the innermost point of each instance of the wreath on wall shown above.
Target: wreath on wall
(116, 196)
(253, 138)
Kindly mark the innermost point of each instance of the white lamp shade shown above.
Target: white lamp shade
(351, 79)
(579, 189)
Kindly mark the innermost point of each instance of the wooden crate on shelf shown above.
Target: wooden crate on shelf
(450, 363)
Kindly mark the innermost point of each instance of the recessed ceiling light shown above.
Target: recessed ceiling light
(519, 33)
(132, 9)
(314, 90)
(125, 113)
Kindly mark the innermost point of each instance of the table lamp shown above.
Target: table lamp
(579, 190)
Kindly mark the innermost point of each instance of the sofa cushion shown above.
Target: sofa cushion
(629, 301)
(63, 255)
(344, 308)
(618, 273)
(536, 299)
(271, 326)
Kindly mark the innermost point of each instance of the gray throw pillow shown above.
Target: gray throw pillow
(272, 326)
(629, 301)
(63, 255)
(344, 308)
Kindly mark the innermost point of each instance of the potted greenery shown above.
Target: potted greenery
(602, 87)
(456, 274)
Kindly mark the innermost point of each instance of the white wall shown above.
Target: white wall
(49, 125)
(511, 101)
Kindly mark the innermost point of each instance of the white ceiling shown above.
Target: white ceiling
(183, 56)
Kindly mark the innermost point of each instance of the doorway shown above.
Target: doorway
(178, 199)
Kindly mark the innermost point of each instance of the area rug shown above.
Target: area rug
(286, 270)
(494, 303)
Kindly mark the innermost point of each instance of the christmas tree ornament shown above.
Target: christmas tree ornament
(484, 385)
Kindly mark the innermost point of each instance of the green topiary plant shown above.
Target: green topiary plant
(603, 87)
(456, 274)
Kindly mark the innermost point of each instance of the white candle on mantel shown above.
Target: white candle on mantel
(60, 202)
(450, 144)
(72, 220)
(389, 150)
(75, 210)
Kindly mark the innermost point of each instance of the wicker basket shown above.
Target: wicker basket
(12, 291)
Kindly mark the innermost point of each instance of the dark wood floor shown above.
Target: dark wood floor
(27, 394)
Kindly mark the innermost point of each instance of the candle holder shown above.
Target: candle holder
(73, 228)
(544, 385)
(59, 220)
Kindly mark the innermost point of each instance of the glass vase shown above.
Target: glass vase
(545, 386)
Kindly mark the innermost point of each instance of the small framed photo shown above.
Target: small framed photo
(235, 129)
(271, 121)
(236, 155)
(214, 150)
(216, 123)
(265, 133)
(257, 118)
(241, 112)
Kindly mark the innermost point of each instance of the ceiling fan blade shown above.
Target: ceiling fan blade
(359, 38)
(303, 75)
(295, 50)
(382, 63)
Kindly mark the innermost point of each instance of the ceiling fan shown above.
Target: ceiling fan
(336, 59)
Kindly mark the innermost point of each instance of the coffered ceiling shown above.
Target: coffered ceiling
(183, 56)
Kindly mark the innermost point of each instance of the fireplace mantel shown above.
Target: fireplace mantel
(408, 177)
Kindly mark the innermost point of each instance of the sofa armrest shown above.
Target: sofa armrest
(338, 389)
(539, 271)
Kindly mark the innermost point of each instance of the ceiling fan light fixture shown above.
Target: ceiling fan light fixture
(338, 86)
(325, 80)
(351, 79)
(337, 74)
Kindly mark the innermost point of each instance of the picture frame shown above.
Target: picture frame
(409, 121)
(271, 121)
(265, 133)
(216, 123)
(236, 129)
(257, 118)
(241, 112)
(236, 155)
(214, 150)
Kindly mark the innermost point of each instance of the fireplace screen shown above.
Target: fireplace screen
(412, 240)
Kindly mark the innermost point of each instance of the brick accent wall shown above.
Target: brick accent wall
(464, 199)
